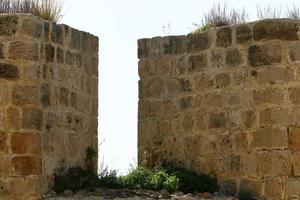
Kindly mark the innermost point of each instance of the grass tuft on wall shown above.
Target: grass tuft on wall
(50, 10)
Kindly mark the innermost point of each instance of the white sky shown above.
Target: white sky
(119, 24)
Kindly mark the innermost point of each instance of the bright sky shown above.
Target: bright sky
(119, 24)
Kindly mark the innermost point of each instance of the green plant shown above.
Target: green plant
(90, 153)
(109, 179)
(151, 179)
(190, 181)
(245, 195)
(171, 184)
(221, 15)
(75, 179)
(50, 10)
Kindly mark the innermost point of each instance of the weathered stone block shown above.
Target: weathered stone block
(26, 143)
(150, 88)
(275, 115)
(59, 55)
(24, 50)
(293, 186)
(269, 95)
(23, 95)
(186, 102)
(3, 143)
(185, 85)
(197, 63)
(294, 94)
(32, 28)
(25, 165)
(273, 188)
(198, 42)
(8, 25)
(46, 31)
(32, 118)
(217, 57)
(294, 52)
(253, 186)
(175, 45)
(213, 100)
(274, 163)
(259, 55)
(64, 96)
(33, 72)
(270, 138)
(74, 100)
(224, 37)
(249, 164)
(222, 80)
(13, 118)
(2, 53)
(75, 39)
(49, 53)
(143, 50)
(9, 71)
(296, 163)
(294, 138)
(217, 120)
(234, 57)
(228, 187)
(275, 75)
(57, 34)
(243, 34)
(271, 29)
(45, 95)
(203, 81)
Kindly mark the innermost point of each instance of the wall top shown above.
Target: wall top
(223, 37)
(33, 27)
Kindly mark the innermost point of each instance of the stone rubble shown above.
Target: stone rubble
(103, 194)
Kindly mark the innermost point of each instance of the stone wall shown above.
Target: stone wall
(48, 102)
(225, 102)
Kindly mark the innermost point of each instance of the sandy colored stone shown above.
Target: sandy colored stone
(224, 37)
(24, 50)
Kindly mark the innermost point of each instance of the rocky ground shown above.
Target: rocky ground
(123, 194)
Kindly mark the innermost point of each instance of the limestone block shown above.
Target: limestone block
(197, 63)
(275, 29)
(243, 34)
(32, 28)
(9, 71)
(9, 25)
(234, 57)
(24, 50)
(198, 42)
(265, 54)
(224, 37)
(32, 118)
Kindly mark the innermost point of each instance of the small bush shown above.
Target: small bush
(109, 179)
(221, 15)
(50, 10)
(167, 177)
(190, 181)
(75, 179)
(150, 179)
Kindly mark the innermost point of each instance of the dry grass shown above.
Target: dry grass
(293, 12)
(268, 12)
(221, 15)
(50, 10)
